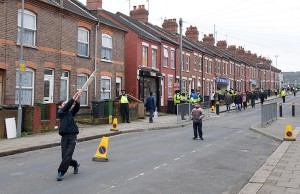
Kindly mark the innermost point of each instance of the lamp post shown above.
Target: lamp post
(276, 59)
(180, 53)
(21, 68)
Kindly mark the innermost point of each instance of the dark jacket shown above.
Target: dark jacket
(66, 117)
(227, 99)
(238, 99)
(150, 103)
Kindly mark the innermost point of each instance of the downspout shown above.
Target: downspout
(95, 59)
(202, 80)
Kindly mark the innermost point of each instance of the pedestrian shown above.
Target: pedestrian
(68, 131)
(261, 96)
(212, 99)
(244, 99)
(150, 105)
(237, 101)
(283, 94)
(124, 106)
(197, 116)
(176, 98)
(295, 91)
(227, 101)
(253, 98)
(276, 92)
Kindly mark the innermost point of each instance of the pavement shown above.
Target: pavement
(279, 174)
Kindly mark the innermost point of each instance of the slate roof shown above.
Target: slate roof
(132, 26)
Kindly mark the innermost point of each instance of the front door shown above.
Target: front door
(48, 86)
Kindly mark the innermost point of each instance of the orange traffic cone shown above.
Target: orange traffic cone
(289, 135)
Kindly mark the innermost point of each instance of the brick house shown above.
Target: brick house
(63, 44)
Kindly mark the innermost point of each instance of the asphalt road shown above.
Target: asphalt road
(162, 161)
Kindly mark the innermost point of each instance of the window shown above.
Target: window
(83, 42)
(206, 68)
(223, 68)
(105, 87)
(170, 86)
(166, 55)
(106, 47)
(218, 70)
(29, 28)
(200, 64)
(27, 83)
(195, 63)
(81, 79)
(64, 85)
(187, 63)
(154, 56)
(209, 66)
(172, 59)
(144, 55)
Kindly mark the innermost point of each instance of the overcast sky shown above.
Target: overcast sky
(265, 27)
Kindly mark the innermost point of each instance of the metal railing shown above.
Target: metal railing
(184, 111)
(268, 112)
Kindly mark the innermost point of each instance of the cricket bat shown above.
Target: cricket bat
(91, 78)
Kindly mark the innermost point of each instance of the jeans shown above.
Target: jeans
(228, 107)
(197, 126)
(238, 107)
(151, 111)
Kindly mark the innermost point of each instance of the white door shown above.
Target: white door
(162, 92)
(48, 86)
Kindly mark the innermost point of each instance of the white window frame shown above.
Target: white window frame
(187, 63)
(26, 28)
(85, 42)
(82, 102)
(144, 56)
(106, 90)
(166, 56)
(172, 65)
(184, 81)
(154, 57)
(170, 86)
(107, 48)
(200, 64)
(67, 78)
(25, 87)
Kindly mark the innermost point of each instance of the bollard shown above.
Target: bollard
(217, 107)
(293, 109)
(280, 109)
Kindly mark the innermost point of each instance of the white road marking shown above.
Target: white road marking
(226, 137)
(142, 174)
(240, 132)
(164, 164)
(176, 158)
(193, 151)
(157, 167)
(208, 145)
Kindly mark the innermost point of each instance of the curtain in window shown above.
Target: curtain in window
(106, 41)
(105, 88)
(83, 49)
(106, 53)
(81, 79)
(27, 88)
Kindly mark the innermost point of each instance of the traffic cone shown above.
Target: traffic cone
(115, 125)
(212, 109)
(289, 135)
(100, 155)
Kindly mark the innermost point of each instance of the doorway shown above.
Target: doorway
(48, 85)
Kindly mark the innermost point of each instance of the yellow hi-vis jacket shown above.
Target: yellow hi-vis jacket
(283, 93)
(123, 99)
(177, 98)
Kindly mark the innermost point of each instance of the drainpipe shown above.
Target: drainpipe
(95, 59)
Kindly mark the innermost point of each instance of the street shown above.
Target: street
(159, 161)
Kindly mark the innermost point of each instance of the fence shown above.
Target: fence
(268, 112)
(184, 111)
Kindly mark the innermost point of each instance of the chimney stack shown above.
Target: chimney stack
(232, 49)
(222, 44)
(140, 14)
(94, 4)
(209, 40)
(241, 51)
(170, 25)
(192, 33)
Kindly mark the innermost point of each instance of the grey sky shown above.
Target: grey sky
(265, 27)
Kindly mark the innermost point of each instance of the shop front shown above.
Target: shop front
(222, 85)
(149, 82)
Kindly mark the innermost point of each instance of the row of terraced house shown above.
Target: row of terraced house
(65, 41)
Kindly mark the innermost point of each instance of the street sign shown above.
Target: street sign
(22, 65)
